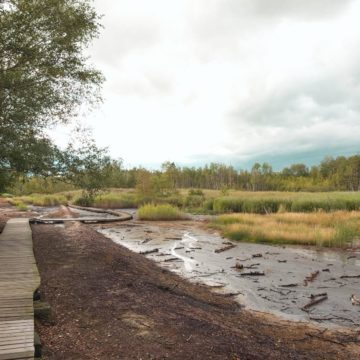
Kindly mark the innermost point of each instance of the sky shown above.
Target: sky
(232, 81)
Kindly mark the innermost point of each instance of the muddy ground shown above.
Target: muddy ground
(111, 303)
(266, 278)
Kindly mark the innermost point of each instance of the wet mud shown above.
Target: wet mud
(296, 283)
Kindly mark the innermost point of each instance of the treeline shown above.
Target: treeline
(340, 174)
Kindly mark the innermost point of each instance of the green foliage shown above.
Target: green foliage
(86, 167)
(21, 207)
(159, 212)
(44, 78)
(39, 185)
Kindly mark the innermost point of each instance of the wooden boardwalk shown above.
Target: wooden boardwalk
(19, 278)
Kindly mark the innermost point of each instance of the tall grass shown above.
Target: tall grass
(273, 202)
(41, 200)
(160, 212)
(337, 229)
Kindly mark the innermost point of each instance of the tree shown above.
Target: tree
(87, 167)
(44, 76)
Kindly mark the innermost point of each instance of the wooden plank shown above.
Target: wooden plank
(19, 278)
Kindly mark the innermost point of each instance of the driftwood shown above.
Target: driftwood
(149, 252)
(224, 248)
(316, 299)
(311, 277)
(253, 273)
(257, 255)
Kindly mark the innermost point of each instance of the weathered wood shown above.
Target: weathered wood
(19, 278)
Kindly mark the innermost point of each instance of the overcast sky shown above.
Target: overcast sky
(235, 81)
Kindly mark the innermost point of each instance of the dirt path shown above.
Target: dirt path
(110, 303)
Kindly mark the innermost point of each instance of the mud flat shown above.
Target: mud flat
(292, 282)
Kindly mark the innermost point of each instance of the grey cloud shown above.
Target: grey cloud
(314, 9)
(302, 104)
(305, 122)
(219, 24)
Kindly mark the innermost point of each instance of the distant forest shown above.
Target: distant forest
(341, 173)
(332, 174)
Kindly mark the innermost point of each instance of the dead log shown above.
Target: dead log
(289, 285)
(172, 259)
(313, 296)
(224, 248)
(349, 276)
(311, 277)
(253, 273)
(314, 302)
(149, 251)
(257, 255)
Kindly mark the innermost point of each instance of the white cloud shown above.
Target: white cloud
(227, 79)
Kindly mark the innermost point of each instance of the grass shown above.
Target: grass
(336, 229)
(160, 212)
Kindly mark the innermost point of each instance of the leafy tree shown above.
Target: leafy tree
(44, 76)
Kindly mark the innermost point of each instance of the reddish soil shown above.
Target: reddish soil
(110, 303)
